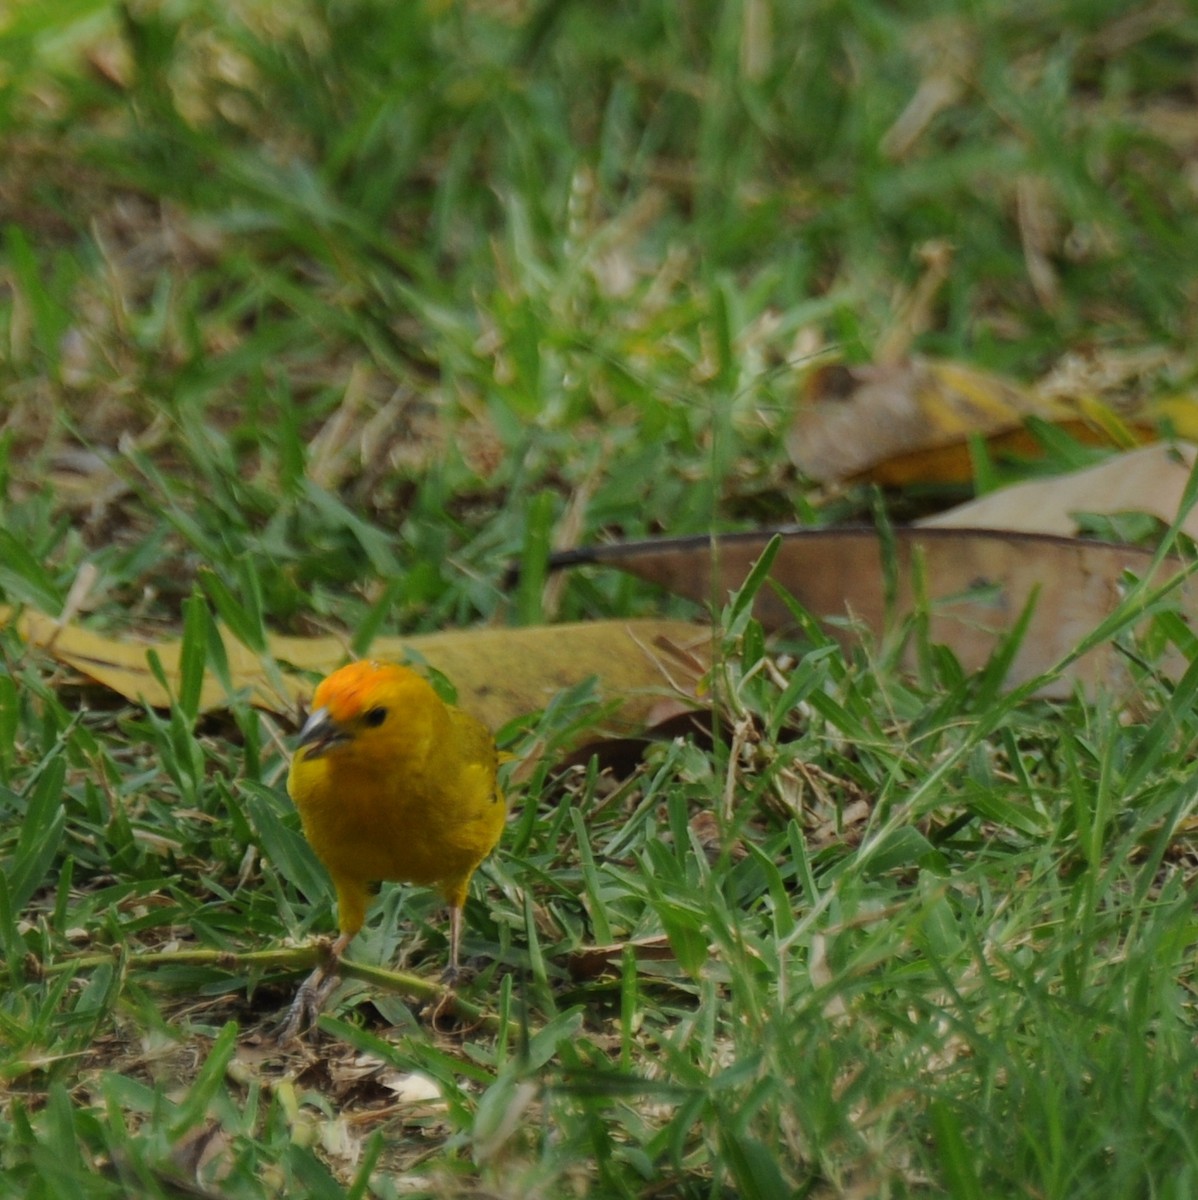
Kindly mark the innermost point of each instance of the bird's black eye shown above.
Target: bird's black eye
(375, 716)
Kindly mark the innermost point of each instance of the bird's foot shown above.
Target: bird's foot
(308, 1002)
(444, 1013)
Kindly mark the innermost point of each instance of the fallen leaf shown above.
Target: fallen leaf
(499, 674)
(122, 665)
(977, 583)
(912, 422)
(591, 962)
(198, 1147)
(618, 757)
(1177, 414)
(413, 1087)
(1149, 480)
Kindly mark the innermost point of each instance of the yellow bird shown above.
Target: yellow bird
(391, 783)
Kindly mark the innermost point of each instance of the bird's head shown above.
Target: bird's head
(368, 705)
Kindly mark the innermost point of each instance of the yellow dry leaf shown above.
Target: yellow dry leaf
(1179, 414)
(499, 674)
(124, 667)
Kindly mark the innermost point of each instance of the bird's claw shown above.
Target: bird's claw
(308, 1002)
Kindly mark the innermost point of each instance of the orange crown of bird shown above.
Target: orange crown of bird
(353, 688)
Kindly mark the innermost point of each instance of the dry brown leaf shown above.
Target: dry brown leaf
(499, 674)
(1150, 480)
(590, 962)
(619, 756)
(977, 584)
(901, 424)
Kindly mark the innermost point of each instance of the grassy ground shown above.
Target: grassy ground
(349, 306)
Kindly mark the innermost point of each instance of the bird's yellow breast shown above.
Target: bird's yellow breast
(414, 798)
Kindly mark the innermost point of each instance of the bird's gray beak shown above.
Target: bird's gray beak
(321, 733)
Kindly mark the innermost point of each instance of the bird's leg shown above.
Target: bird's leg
(446, 1002)
(313, 992)
(450, 975)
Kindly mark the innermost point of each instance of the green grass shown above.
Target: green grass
(316, 317)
